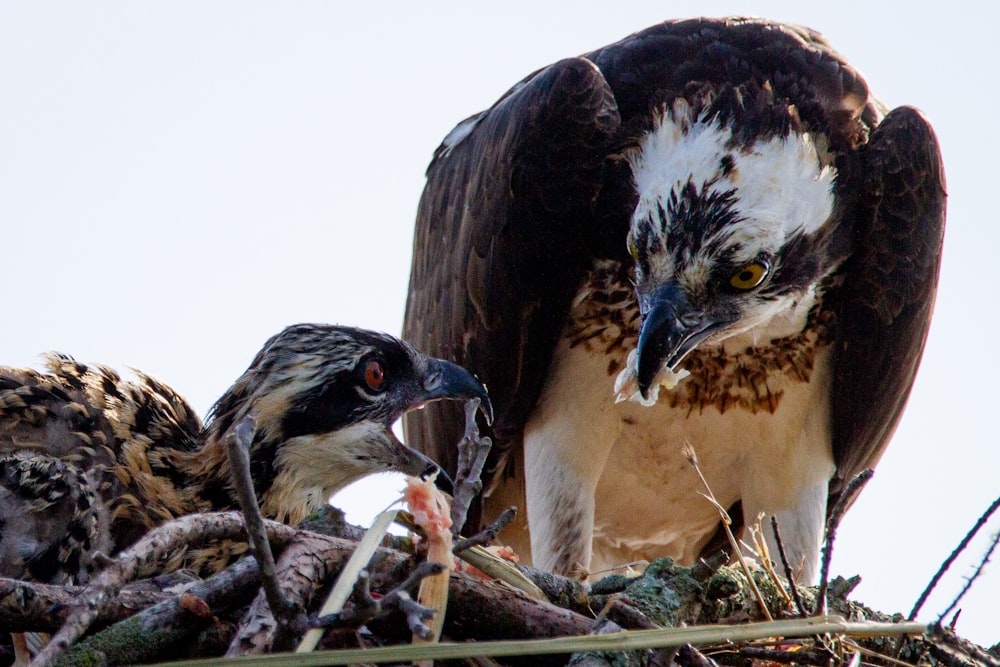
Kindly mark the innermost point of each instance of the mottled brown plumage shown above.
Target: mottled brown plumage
(89, 460)
(608, 204)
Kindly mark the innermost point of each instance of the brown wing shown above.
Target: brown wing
(521, 198)
(889, 286)
(506, 227)
(754, 58)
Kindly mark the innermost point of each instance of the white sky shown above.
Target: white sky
(179, 181)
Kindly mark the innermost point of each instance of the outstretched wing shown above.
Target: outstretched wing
(507, 225)
(889, 286)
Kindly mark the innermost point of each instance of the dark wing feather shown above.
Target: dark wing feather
(521, 198)
(889, 287)
(505, 229)
(756, 58)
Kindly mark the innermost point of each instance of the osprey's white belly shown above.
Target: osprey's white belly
(618, 468)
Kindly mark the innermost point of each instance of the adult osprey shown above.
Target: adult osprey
(717, 203)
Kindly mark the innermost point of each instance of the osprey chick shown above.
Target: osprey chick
(90, 461)
(720, 205)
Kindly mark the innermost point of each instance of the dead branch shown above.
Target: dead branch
(952, 557)
(562, 591)
(401, 599)
(789, 575)
(237, 449)
(141, 558)
(492, 610)
(971, 580)
(801, 655)
(167, 629)
(304, 566)
(488, 534)
(952, 650)
(486, 610)
(27, 606)
(626, 616)
(480, 609)
(689, 656)
(366, 608)
(836, 515)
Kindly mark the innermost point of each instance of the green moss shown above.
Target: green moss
(613, 583)
(665, 593)
(128, 642)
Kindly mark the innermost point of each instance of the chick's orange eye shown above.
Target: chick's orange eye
(374, 374)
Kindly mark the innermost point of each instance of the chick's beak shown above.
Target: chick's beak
(445, 380)
(411, 462)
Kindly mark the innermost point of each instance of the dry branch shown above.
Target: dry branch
(238, 452)
(304, 566)
(27, 606)
(481, 610)
(980, 522)
(832, 522)
(142, 558)
(167, 629)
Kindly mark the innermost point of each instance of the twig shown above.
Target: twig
(472, 453)
(853, 645)
(706, 567)
(968, 652)
(487, 535)
(140, 557)
(625, 615)
(30, 606)
(832, 521)
(802, 656)
(366, 608)
(348, 579)
(799, 604)
(692, 458)
(764, 556)
(689, 656)
(304, 566)
(401, 598)
(237, 447)
(971, 580)
(951, 558)
(161, 630)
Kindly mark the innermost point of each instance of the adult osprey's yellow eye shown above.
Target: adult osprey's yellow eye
(633, 249)
(749, 276)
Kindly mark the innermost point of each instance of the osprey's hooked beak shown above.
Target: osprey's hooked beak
(445, 380)
(670, 329)
(411, 462)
